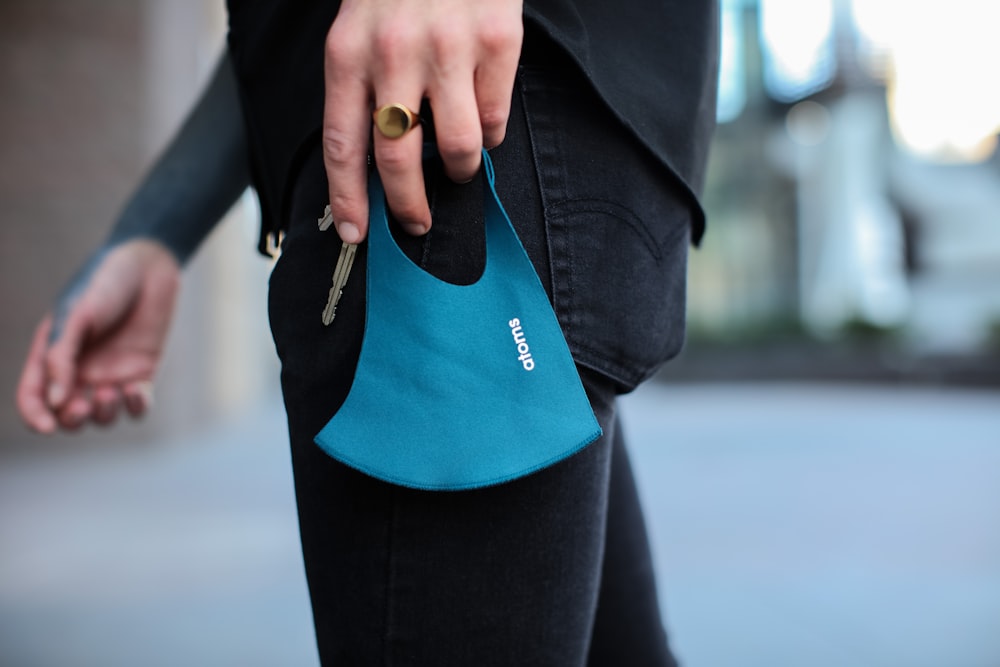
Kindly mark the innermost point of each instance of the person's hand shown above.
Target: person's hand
(108, 345)
(460, 55)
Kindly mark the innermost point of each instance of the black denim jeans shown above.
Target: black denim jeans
(551, 569)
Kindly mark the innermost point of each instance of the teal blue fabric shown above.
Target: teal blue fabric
(458, 386)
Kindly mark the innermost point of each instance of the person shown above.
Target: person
(597, 116)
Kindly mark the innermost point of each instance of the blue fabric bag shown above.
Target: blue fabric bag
(458, 387)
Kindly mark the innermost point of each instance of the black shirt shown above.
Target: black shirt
(653, 62)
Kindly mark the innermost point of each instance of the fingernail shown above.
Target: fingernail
(46, 424)
(415, 229)
(139, 398)
(349, 232)
(56, 394)
(146, 392)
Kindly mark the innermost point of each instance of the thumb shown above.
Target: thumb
(62, 355)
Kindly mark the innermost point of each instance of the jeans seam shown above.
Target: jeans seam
(550, 187)
(529, 122)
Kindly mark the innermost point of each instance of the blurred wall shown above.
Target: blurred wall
(91, 91)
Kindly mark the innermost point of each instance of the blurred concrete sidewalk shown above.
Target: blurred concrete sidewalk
(801, 525)
(793, 525)
(179, 553)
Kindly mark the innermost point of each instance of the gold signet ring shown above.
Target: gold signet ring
(394, 120)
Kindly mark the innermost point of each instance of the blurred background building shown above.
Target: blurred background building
(854, 234)
(854, 191)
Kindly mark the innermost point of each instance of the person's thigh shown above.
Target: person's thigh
(506, 575)
(628, 629)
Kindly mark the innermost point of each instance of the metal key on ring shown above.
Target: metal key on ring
(340, 272)
(326, 220)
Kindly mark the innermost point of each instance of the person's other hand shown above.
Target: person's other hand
(109, 344)
(460, 55)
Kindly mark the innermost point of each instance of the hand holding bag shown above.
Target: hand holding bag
(458, 386)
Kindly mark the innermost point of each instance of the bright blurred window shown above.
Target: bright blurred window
(939, 62)
(732, 63)
(798, 48)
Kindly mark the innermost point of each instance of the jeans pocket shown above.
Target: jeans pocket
(618, 226)
(619, 295)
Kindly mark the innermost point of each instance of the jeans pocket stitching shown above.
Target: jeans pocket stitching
(613, 209)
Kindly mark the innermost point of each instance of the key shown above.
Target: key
(326, 220)
(340, 275)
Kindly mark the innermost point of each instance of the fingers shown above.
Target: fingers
(61, 358)
(107, 403)
(399, 164)
(461, 56)
(76, 410)
(494, 81)
(77, 404)
(457, 125)
(346, 128)
(103, 404)
(138, 397)
(31, 389)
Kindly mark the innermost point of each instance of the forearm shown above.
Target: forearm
(192, 185)
(198, 177)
